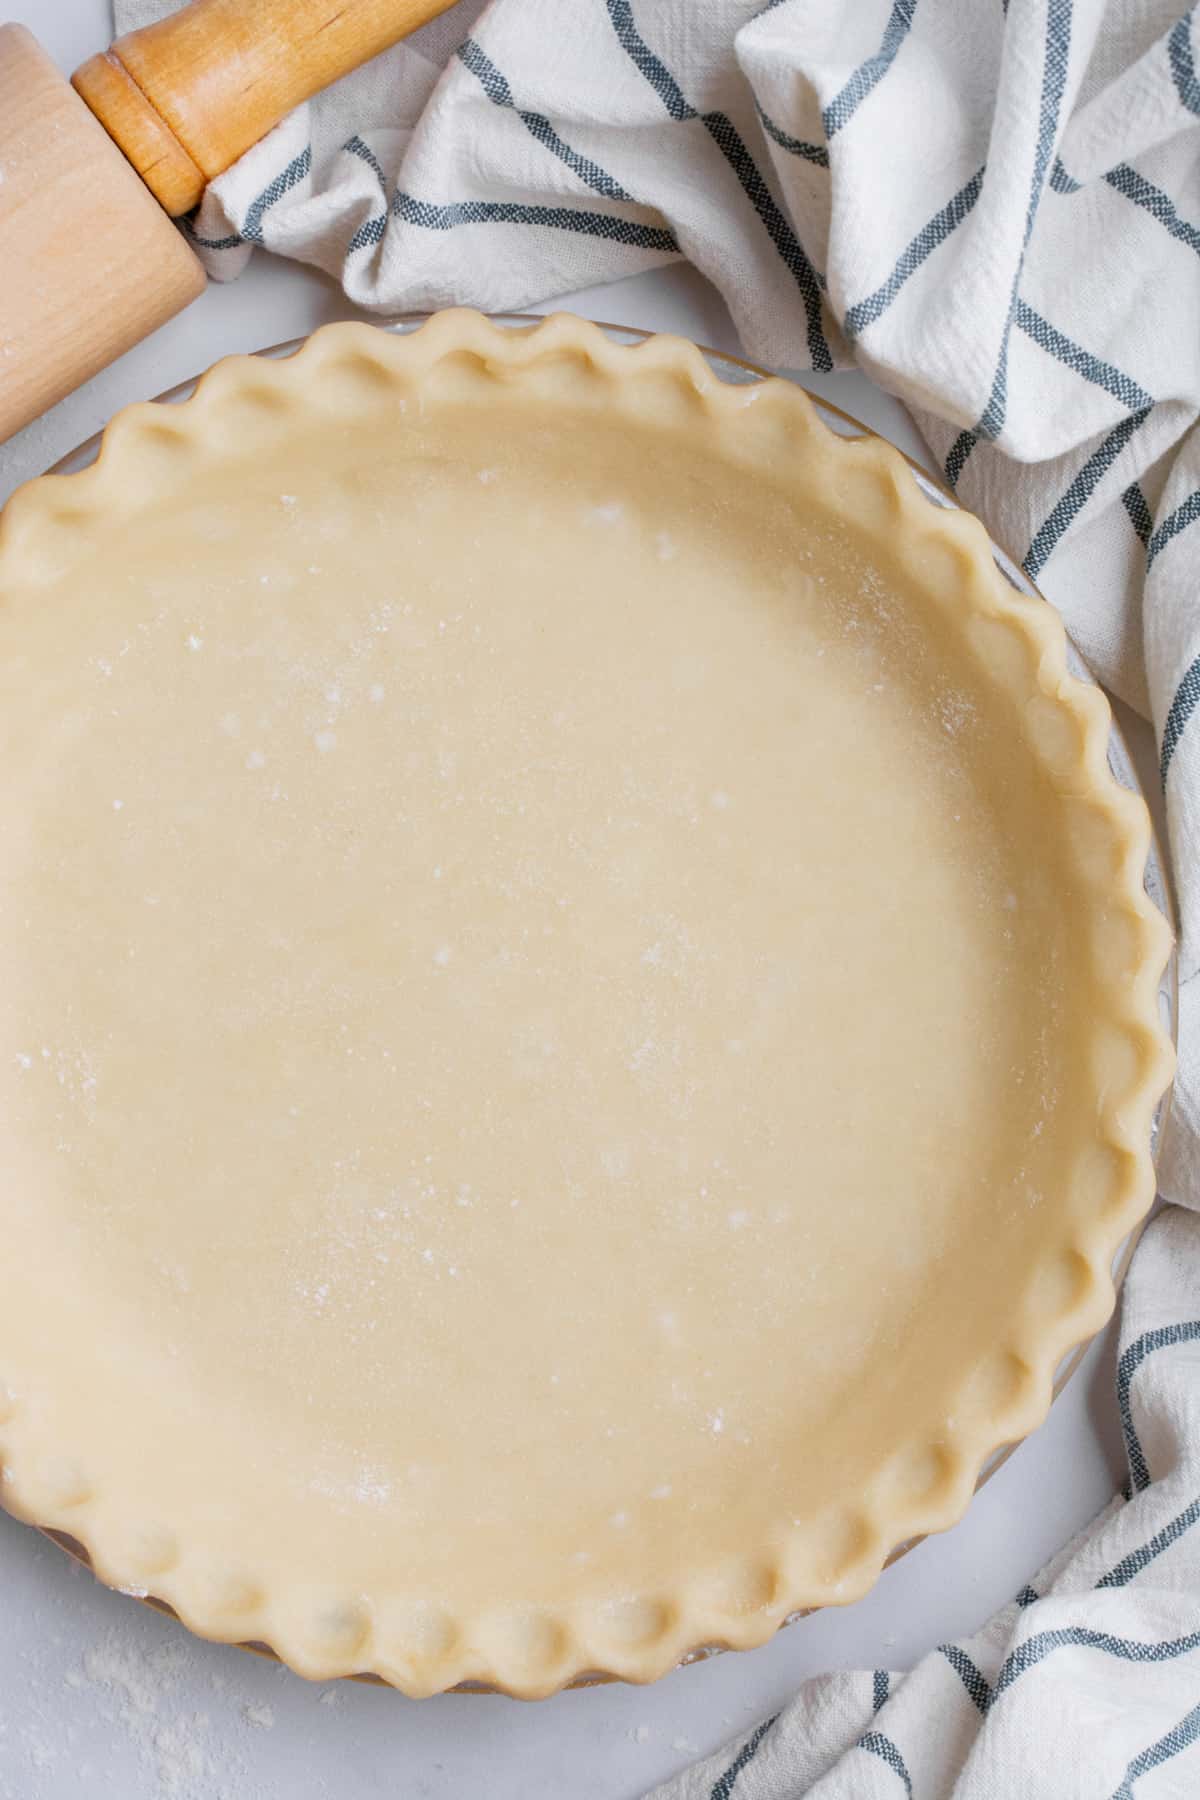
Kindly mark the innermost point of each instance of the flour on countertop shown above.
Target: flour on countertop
(189, 1727)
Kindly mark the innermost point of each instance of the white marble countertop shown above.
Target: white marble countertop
(99, 1696)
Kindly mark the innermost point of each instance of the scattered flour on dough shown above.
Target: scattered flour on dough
(955, 711)
(614, 1160)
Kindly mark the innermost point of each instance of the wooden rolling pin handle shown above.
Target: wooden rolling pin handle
(184, 98)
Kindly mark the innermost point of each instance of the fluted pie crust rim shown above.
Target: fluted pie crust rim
(1067, 726)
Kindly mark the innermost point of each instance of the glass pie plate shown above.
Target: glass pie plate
(733, 371)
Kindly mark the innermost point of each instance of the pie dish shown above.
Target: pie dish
(580, 1024)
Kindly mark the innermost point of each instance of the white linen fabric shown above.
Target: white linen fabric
(993, 206)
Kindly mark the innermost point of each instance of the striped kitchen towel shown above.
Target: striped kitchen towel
(993, 206)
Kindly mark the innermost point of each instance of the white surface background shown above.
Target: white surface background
(99, 1696)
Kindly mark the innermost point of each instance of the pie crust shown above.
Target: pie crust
(580, 1019)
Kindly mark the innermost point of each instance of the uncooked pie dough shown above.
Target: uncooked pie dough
(578, 1016)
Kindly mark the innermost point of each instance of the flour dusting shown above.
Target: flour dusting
(148, 1694)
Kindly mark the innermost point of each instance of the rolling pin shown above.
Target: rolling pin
(91, 176)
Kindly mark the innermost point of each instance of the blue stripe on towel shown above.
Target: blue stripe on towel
(942, 225)
(1101, 374)
(434, 217)
(188, 228)
(538, 125)
(647, 64)
(1043, 1643)
(1185, 514)
(843, 106)
(1138, 508)
(1187, 697)
(1145, 1554)
(878, 1745)
(295, 172)
(1170, 1744)
(1160, 206)
(364, 152)
(1183, 67)
(725, 136)
(969, 1673)
(723, 1786)
(816, 154)
(1054, 81)
(1135, 1354)
(956, 461)
(1070, 504)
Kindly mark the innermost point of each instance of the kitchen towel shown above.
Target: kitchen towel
(993, 206)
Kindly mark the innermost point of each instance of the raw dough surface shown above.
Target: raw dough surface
(543, 1027)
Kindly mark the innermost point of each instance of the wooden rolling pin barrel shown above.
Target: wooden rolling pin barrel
(91, 176)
